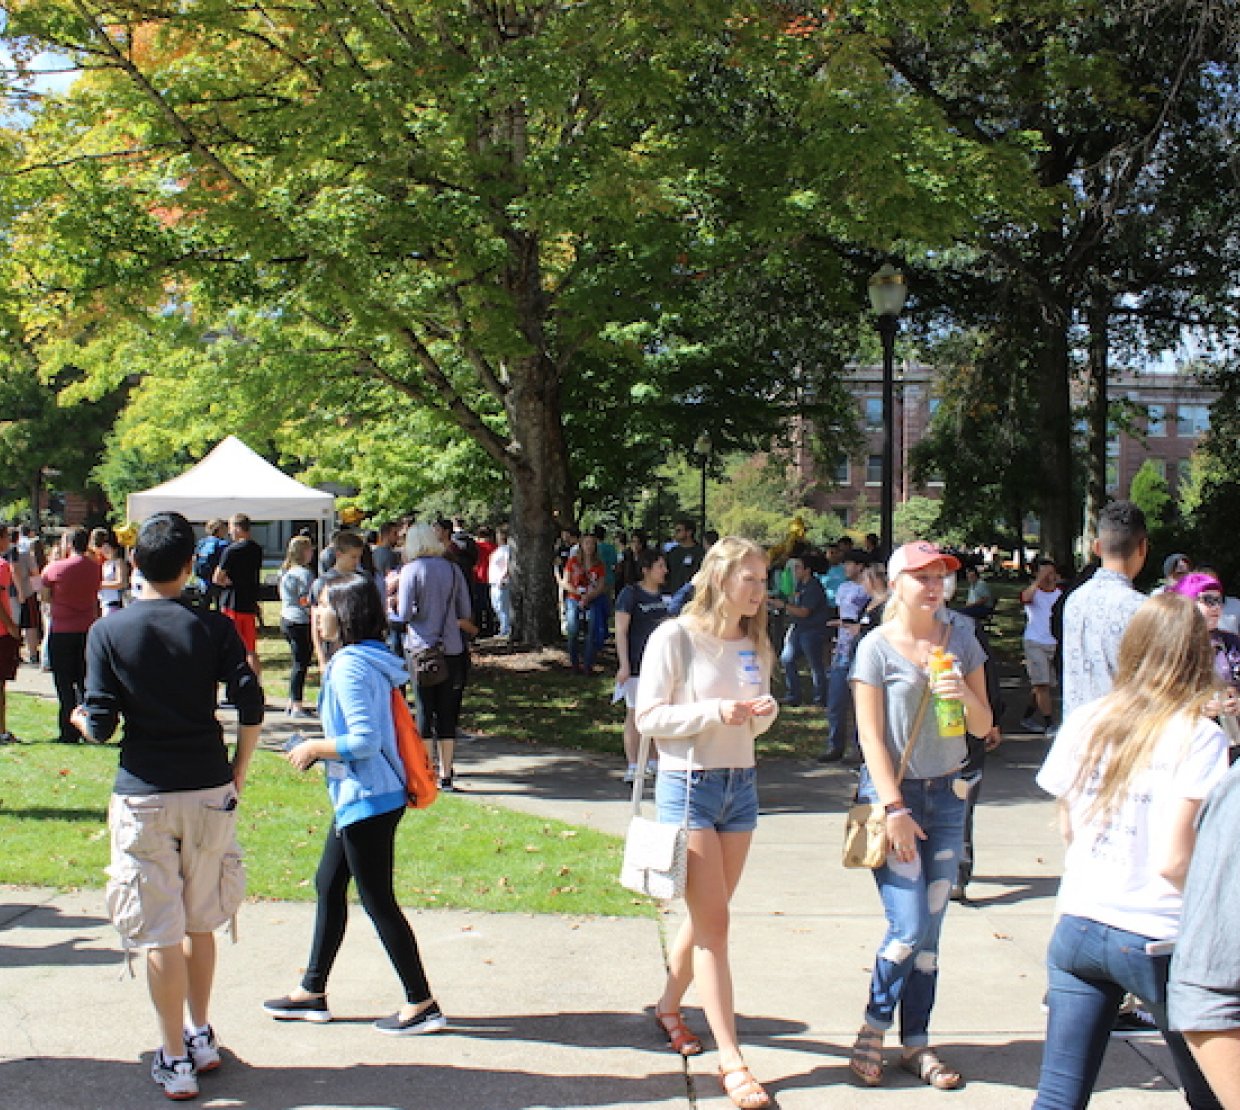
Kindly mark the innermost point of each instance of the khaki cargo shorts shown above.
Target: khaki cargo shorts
(1040, 663)
(176, 865)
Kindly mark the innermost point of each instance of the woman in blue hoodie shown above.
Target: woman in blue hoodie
(366, 781)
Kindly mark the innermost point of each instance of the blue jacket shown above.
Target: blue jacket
(355, 710)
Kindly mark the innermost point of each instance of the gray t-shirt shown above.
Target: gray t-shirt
(879, 664)
(1204, 992)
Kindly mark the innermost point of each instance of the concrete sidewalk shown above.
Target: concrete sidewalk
(555, 1012)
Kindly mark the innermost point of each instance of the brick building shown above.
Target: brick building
(1167, 414)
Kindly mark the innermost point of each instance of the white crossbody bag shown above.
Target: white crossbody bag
(656, 855)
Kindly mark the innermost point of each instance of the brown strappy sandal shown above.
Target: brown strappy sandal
(679, 1036)
(743, 1089)
(926, 1065)
(866, 1061)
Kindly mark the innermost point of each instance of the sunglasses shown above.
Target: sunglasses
(1215, 601)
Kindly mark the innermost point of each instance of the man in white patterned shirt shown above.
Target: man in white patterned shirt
(1096, 613)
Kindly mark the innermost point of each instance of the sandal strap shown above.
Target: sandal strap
(929, 1068)
(679, 1035)
(746, 1093)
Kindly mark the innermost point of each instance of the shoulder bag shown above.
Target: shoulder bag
(429, 666)
(656, 855)
(865, 828)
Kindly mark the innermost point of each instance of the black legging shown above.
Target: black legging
(298, 637)
(439, 707)
(365, 852)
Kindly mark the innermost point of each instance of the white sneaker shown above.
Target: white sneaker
(631, 773)
(202, 1049)
(175, 1076)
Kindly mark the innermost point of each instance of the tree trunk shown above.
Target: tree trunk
(540, 477)
(1057, 498)
(1096, 407)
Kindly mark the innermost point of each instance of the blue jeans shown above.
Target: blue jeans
(839, 703)
(915, 896)
(594, 617)
(812, 644)
(1091, 966)
(501, 602)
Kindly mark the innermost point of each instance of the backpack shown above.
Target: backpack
(207, 557)
(421, 786)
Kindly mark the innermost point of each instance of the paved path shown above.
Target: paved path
(554, 1012)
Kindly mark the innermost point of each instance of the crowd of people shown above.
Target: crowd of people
(1138, 762)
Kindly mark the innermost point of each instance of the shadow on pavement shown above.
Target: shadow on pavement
(36, 1083)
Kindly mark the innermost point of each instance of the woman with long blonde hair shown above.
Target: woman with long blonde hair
(704, 691)
(925, 808)
(1130, 771)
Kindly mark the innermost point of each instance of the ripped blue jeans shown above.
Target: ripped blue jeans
(915, 898)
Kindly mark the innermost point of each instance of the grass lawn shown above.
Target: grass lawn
(460, 853)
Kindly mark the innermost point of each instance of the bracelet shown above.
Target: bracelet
(896, 806)
(905, 812)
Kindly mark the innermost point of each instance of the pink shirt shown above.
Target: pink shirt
(74, 585)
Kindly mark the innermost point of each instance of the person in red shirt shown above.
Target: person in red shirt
(71, 585)
(484, 615)
(10, 633)
(585, 579)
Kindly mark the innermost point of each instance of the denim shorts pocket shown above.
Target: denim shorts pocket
(137, 828)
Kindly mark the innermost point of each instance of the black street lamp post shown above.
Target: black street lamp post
(887, 293)
(701, 448)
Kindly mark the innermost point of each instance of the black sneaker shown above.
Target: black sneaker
(202, 1049)
(176, 1076)
(298, 1009)
(1134, 1023)
(430, 1020)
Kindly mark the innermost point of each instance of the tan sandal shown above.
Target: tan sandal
(679, 1036)
(743, 1089)
(926, 1065)
(866, 1061)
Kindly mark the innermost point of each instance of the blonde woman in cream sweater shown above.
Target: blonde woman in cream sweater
(704, 692)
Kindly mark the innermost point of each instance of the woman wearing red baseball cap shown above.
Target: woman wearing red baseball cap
(925, 808)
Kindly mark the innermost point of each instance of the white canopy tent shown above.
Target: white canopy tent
(234, 479)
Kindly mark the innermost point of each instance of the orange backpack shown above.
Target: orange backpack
(421, 786)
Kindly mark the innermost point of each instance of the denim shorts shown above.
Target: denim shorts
(724, 799)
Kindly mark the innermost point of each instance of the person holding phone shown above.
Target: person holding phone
(704, 691)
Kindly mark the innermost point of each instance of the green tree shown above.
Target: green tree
(502, 216)
(1108, 101)
(1149, 492)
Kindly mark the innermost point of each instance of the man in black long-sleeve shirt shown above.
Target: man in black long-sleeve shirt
(176, 873)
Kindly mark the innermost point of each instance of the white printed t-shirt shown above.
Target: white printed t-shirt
(1111, 866)
(1038, 616)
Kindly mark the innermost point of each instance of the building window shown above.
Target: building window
(873, 414)
(1156, 421)
(1192, 421)
(841, 474)
(874, 470)
(1160, 468)
(934, 406)
(1184, 472)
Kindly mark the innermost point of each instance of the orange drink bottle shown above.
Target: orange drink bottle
(949, 712)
